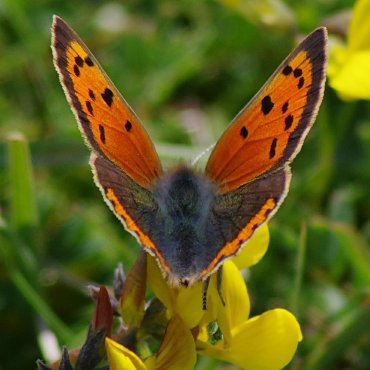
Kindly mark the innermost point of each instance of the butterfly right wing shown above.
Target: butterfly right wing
(107, 123)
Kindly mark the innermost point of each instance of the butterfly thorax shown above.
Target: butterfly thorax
(185, 202)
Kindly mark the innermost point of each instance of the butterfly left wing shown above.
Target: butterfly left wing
(108, 124)
(268, 133)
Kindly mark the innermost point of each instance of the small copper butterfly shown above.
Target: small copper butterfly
(191, 222)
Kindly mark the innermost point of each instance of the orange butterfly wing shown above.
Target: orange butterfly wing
(107, 122)
(268, 133)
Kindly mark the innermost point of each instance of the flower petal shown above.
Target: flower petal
(359, 28)
(156, 280)
(235, 294)
(132, 301)
(266, 342)
(185, 302)
(189, 304)
(254, 249)
(348, 80)
(348, 65)
(236, 308)
(177, 350)
(120, 357)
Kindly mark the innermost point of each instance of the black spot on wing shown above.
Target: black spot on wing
(300, 83)
(89, 107)
(244, 132)
(297, 72)
(107, 96)
(287, 70)
(128, 126)
(288, 121)
(273, 148)
(266, 105)
(76, 70)
(285, 107)
(91, 94)
(102, 133)
(79, 61)
(89, 62)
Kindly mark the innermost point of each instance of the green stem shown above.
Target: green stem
(39, 305)
(25, 287)
(300, 269)
(23, 211)
(18, 244)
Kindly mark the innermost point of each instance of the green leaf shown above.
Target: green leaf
(23, 212)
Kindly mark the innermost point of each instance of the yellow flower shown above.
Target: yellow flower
(349, 65)
(265, 342)
(120, 357)
(177, 300)
(177, 351)
(254, 249)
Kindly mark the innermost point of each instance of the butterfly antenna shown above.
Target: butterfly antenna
(202, 154)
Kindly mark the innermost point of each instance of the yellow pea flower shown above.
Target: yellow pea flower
(176, 352)
(187, 302)
(268, 341)
(120, 357)
(349, 65)
(265, 342)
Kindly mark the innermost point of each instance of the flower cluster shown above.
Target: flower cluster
(167, 332)
(223, 331)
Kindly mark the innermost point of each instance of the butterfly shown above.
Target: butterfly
(192, 221)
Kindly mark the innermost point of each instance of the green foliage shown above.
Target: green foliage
(186, 67)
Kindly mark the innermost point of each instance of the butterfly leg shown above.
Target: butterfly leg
(205, 292)
(219, 285)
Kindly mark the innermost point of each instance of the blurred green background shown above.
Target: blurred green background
(186, 67)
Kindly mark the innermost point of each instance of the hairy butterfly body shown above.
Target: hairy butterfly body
(190, 221)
